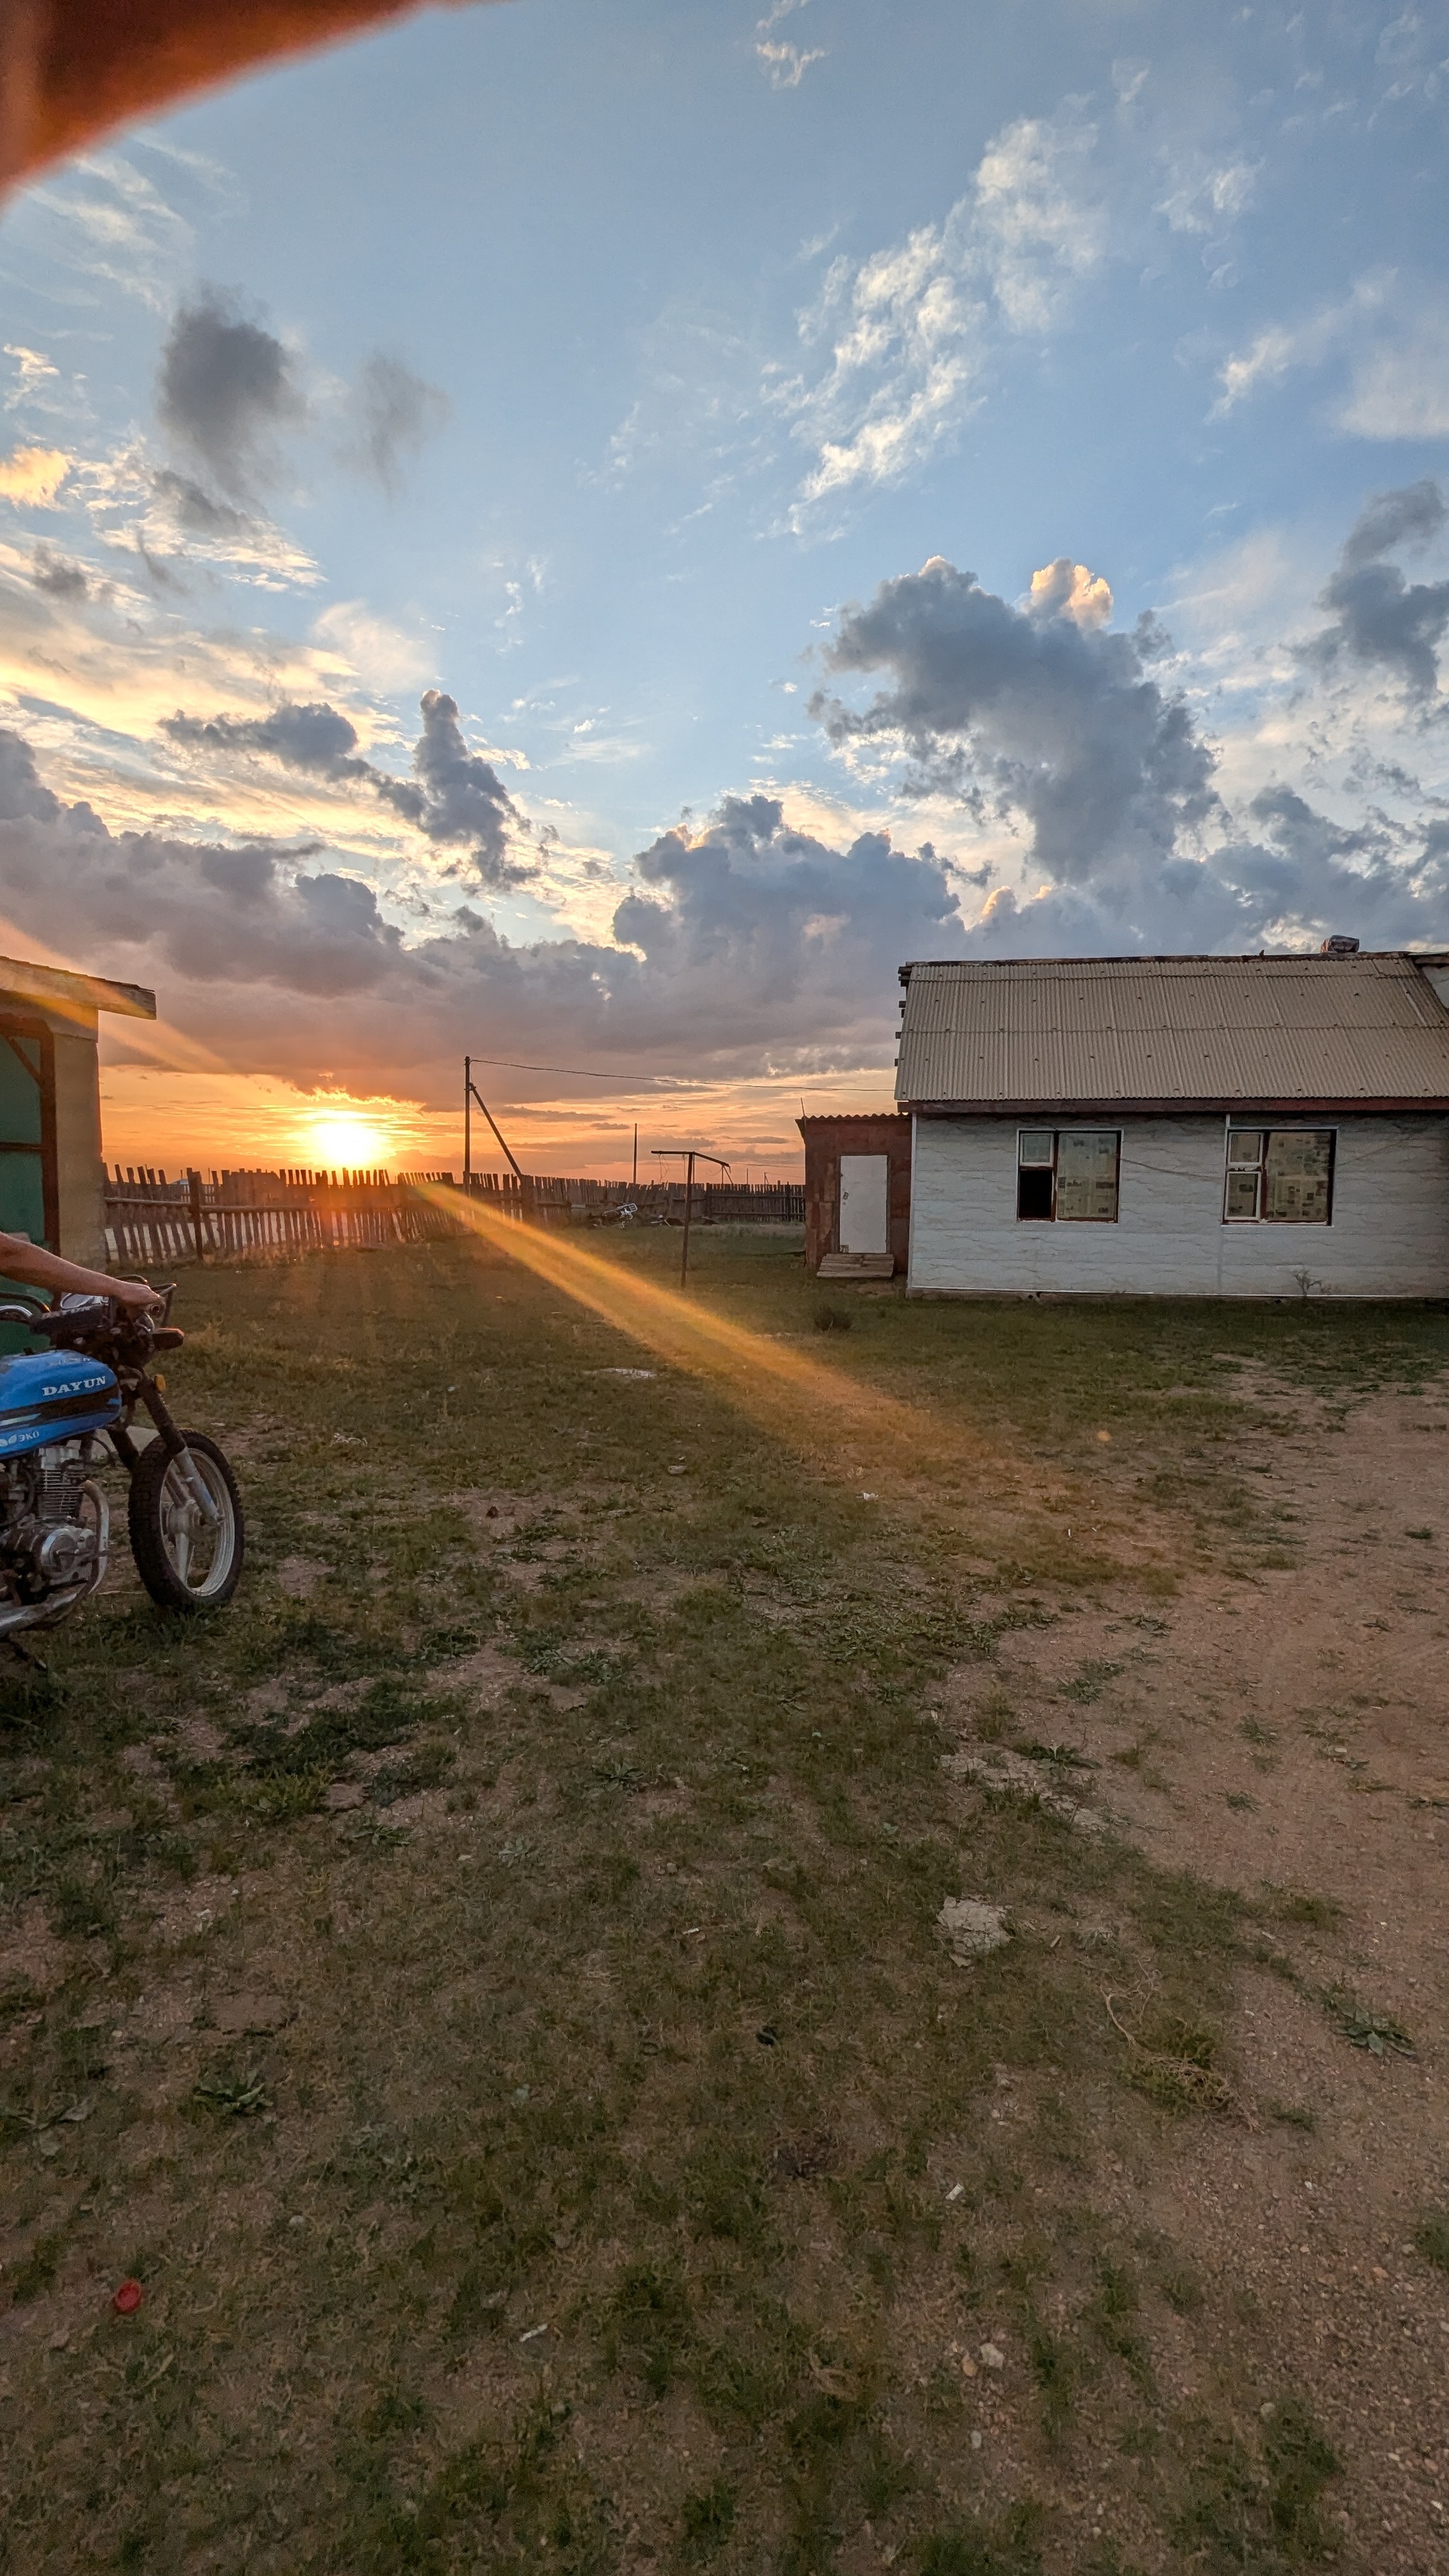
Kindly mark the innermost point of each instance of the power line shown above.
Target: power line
(588, 1073)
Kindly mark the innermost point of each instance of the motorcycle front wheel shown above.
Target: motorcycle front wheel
(185, 1560)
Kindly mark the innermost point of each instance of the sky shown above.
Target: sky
(588, 535)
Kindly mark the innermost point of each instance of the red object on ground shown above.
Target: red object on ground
(128, 2298)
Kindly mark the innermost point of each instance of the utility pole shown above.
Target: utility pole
(471, 1093)
(635, 1183)
(689, 1155)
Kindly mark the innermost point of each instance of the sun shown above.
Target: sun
(343, 1142)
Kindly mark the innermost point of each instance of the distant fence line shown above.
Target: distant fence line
(154, 1222)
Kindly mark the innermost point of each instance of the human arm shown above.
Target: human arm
(36, 1268)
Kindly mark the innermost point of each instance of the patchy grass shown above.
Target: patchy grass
(493, 2004)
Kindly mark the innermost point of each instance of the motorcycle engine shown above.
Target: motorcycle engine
(53, 1522)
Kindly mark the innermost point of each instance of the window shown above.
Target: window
(1279, 1176)
(1067, 1174)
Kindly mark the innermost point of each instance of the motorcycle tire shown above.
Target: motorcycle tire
(170, 1535)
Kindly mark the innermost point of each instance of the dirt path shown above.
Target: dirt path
(1291, 1731)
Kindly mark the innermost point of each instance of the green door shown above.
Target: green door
(27, 1143)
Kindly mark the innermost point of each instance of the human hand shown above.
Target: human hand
(137, 1293)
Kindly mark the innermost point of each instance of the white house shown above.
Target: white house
(1179, 1126)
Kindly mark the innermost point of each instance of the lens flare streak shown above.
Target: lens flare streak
(852, 1431)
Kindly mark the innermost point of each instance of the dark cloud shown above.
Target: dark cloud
(1043, 723)
(463, 797)
(226, 388)
(747, 947)
(392, 413)
(455, 798)
(314, 738)
(1025, 715)
(1381, 620)
(58, 576)
(196, 513)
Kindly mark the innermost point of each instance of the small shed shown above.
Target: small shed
(1272, 1126)
(857, 1195)
(51, 1175)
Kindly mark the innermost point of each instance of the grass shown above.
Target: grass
(515, 2241)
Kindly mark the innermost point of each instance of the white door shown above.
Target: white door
(864, 1203)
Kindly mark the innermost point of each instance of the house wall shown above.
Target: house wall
(1389, 1235)
(826, 1139)
(78, 1170)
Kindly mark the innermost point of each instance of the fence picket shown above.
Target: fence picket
(156, 1224)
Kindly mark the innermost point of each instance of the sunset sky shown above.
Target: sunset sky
(588, 534)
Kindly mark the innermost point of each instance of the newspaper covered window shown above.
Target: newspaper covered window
(1068, 1175)
(1279, 1176)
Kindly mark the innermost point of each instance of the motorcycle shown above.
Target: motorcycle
(184, 1517)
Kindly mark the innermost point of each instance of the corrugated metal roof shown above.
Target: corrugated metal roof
(1172, 1029)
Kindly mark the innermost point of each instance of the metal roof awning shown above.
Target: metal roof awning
(1293, 1034)
(74, 995)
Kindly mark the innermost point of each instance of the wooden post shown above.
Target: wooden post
(688, 1199)
(194, 1179)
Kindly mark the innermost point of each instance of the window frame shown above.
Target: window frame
(1259, 1214)
(1041, 1163)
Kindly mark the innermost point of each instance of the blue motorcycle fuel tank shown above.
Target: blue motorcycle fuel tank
(53, 1395)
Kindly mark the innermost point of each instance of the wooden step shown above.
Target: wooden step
(856, 1265)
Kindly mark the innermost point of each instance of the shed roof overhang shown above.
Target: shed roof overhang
(1244, 1111)
(77, 998)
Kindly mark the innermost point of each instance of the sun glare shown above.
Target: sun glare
(348, 1144)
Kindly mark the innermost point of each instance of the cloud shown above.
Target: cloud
(225, 389)
(785, 64)
(1400, 387)
(1028, 713)
(1038, 227)
(1030, 718)
(455, 797)
(379, 652)
(1067, 589)
(1394, 335)
(910, 329)
(58, 575)
(33, 369)
(746, 946)
(1207, 198)
(1382, 621)
(393, 414)
(315, 738)
(32, 476)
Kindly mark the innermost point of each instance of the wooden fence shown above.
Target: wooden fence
(153, 1223)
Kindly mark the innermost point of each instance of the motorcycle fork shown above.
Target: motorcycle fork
(171, 1441)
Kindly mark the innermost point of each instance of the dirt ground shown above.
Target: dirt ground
(490, 1987)
(1291, 1731)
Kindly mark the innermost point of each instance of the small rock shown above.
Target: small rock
(971, 1928)
(247, 2015)
(993, 2357)
(340, 1794)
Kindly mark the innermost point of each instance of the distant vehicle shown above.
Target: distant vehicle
(185, 1520)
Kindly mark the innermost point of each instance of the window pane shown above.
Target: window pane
(1242, 1194)
(1245, 1145)
(1297, 1175)
(1034, 1193)
(1034, 1145)
(1087, 1175)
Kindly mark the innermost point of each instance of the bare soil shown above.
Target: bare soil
(1287, 1734)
